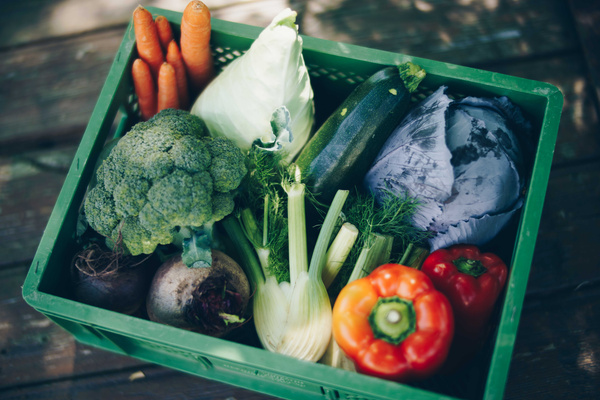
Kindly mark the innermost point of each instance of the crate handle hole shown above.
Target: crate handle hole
(206, 363)
(330, 394)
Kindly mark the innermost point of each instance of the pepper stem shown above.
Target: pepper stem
(470, 267)
(393, 319)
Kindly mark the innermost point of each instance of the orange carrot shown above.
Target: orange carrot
(147, 41)
(144, 88)
(174, 59)
(195, 44)
(165, 32)
(167, 88)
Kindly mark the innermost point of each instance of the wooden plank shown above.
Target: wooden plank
(464, 32)
(63, 94)
(578, 132)
(35, 350)
(587, 20)
(62, 80)
(257, 13)
(556, 351)
(39, 20)
(135, 384)
(61, 101)
(445, 30)
(570, 227)
(29, 185)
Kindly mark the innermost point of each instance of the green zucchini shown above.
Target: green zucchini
(341, 151)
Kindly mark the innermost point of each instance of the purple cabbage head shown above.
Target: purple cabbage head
(463, 160)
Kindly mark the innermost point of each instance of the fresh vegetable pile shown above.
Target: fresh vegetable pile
(355, 243)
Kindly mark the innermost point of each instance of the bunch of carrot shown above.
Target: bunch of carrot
(167, 74)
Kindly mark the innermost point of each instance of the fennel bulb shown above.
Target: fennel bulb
(291, 318)
(308, 325)
(263, 97)
(271, 306)
(464, 162)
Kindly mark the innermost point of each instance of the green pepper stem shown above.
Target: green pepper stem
(470, 267)
(393, 319)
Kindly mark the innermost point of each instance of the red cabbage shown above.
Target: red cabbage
(463, 160)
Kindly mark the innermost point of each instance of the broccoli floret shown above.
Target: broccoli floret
(155, 223)
(202, 191)
(130, 196)
(181, 150)
(179, 122)
(223, 204)
(147, 153)
(172, 196)
(111, 171)
(140, 240)
(228, 166)
(164, 177)
(100, 211)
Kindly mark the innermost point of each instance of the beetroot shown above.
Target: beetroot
(209, 300)
(110, 280)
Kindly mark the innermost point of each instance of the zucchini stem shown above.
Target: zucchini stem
(411, 75)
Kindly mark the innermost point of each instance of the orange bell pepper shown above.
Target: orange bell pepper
(394, 324)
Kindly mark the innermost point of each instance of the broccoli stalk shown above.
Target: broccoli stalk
(166, 182)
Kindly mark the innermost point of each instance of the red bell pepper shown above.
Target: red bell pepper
(394, 324)
(471, 280)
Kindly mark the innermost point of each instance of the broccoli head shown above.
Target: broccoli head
(164, 176)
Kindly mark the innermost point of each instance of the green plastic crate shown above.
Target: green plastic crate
(335, 68)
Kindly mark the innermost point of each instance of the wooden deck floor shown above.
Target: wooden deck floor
(55, 58)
